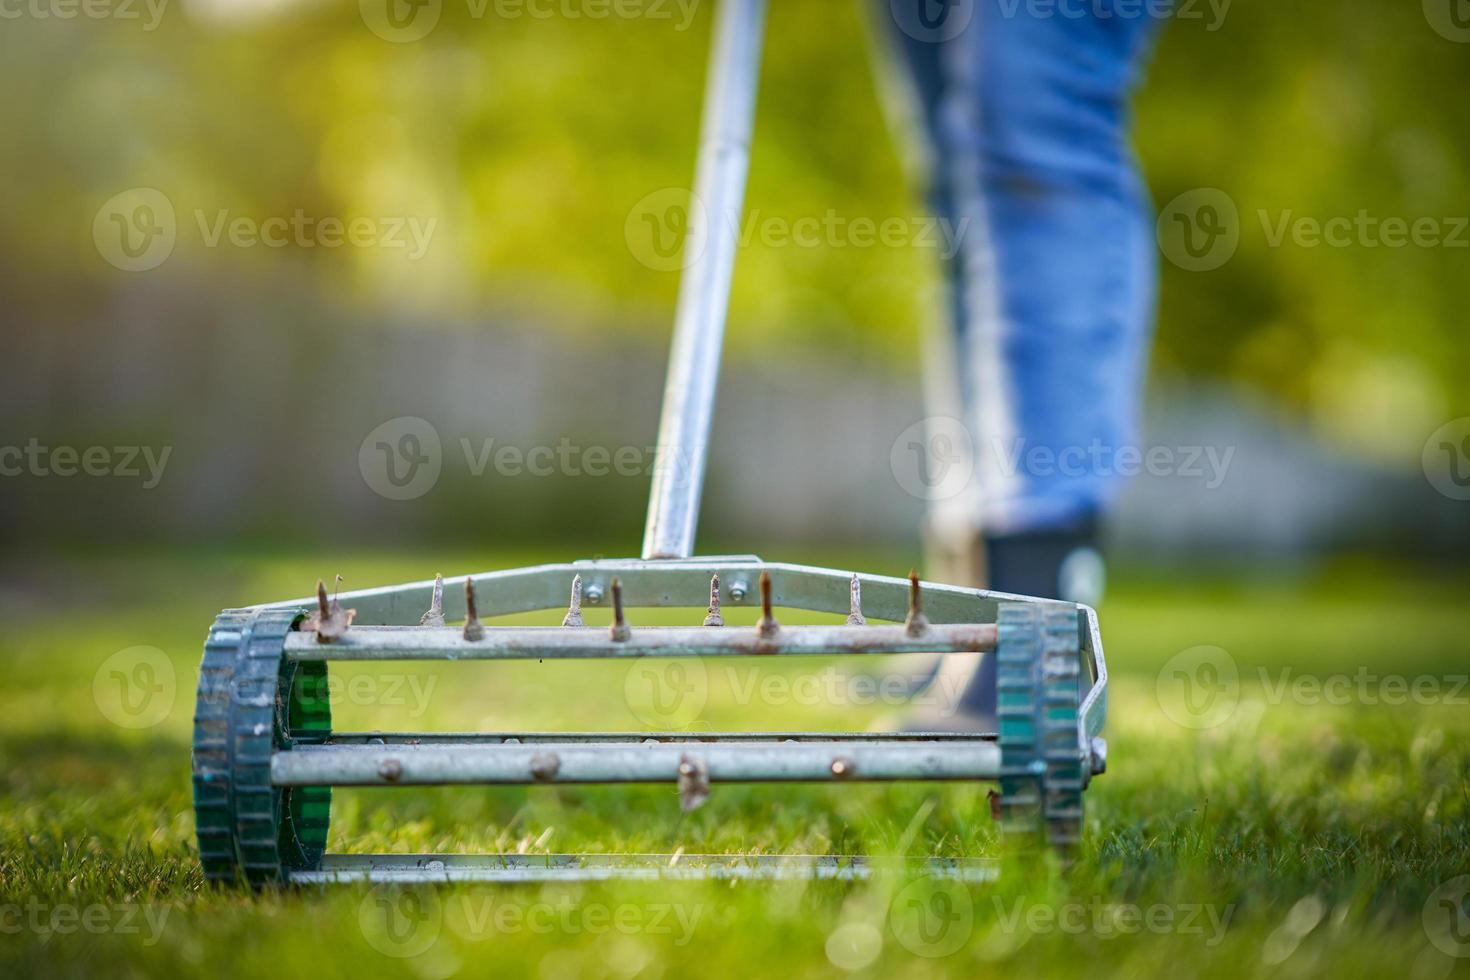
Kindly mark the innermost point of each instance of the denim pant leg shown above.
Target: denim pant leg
(1026, 112)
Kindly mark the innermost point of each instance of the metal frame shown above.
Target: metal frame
(684, 584)
(387, 626)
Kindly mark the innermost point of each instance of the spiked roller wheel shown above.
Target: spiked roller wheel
(1042, 775)
(253, 702)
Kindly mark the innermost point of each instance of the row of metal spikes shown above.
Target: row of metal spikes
(330, 621)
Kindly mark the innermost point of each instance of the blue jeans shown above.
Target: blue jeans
(1024, 106)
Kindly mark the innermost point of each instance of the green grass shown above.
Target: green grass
(1291, 839)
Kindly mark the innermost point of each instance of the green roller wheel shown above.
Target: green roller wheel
(252, 701)
(1042, 775)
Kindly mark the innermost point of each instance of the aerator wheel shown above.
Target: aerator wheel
(251, 702)
(1039, 696)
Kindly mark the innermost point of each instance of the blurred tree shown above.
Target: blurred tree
(530, 140)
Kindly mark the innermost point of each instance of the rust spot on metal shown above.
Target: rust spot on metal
(390, 770)
(545, 766)
(473, 631)
(693, 782)
(330, 620)
(767, 628)
(619, 633)
(714, 618)
(435, 615)
(574, 607)
(915, 624)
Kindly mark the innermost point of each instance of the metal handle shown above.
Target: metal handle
(704, 289)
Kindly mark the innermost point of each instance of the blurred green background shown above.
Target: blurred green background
(523, 144)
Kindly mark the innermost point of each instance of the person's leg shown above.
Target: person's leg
(1054, 281)
(1059, 286)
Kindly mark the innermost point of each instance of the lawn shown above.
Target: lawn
(1302, 810)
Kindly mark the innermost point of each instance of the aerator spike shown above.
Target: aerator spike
(855, 603)
(330, 620)
(714, 618)
(574, 607)
(435, 615)
(916, 623)
(620, 631)
(693, 782)
(473, 631)
(767, 627)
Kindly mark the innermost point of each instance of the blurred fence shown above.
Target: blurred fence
(256, 410)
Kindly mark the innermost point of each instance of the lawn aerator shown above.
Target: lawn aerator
(265, 756)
